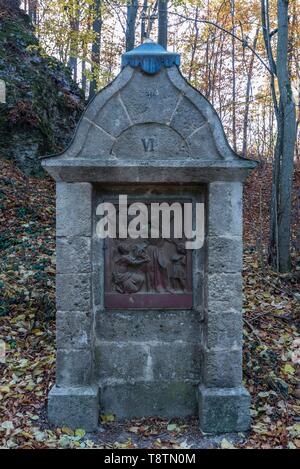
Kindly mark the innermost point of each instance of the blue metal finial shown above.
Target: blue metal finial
(150, 57)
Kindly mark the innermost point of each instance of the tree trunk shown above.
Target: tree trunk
(212, 64)
(220, 68)
(74, 26)
(288, 140)
(232, 9)
(132, 7)
(83, 79)
(207, 54)
(152, 18)
(32, 10)
(295, 57)
(247, 105)
(267, 41)
(283, 163)
(195, 42)
(96, 47)
(163, 23)
(144, 20)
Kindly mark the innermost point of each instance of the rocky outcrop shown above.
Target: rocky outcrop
(43, 104)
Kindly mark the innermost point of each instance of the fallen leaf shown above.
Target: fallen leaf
(107, 418)
(225, 444)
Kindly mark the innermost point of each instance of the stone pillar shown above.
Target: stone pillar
(74, 401)
(223, 402)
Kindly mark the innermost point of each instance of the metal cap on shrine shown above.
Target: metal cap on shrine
(150, 57)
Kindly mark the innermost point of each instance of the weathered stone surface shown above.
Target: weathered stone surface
(176, 361)
(202, 145)
(73, 255)
(222, 368)
(92, 148)
(97, 143)
(107, 93)
(73, 292)
(123, 361)
(98, 279)
(225, 209)
(224, 410)
(73, 329)
(76, 407)
(186, 118)
(150, 98)
(148, 361)
(154, 325)
(223, 330)
(112, 171)
(224, 254)
(158, 398)
(223, 291)
(198, 293)
(73, 209)
(73, 367)
(113, 117)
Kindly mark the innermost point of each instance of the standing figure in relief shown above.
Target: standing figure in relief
(157, 278)
(178, 273)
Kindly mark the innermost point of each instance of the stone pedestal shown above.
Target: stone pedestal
(75, 407)
(224, 410)
(223, 402)
(144, 352)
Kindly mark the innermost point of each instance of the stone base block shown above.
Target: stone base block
(149, 399)
(223, 410)
(74, 407)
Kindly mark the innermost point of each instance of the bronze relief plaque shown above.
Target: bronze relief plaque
(152, 273)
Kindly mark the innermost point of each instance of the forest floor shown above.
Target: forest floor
(27, 326)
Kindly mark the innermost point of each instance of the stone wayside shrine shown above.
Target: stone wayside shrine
(145, 327)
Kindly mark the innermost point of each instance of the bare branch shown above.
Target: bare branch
(272, 33)
(242, 41)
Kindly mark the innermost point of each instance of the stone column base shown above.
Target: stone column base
(74, 407)
(223, 410)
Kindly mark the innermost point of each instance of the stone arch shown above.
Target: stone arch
(135, 98)
(150, 139)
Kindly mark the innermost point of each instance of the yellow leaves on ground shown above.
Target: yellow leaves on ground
(288, 369)
(4, 389)
(225, 444)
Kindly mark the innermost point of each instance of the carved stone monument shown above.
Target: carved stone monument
(146, 327)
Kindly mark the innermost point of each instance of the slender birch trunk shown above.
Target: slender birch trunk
(132, 7)
(96, 47)
(248, 89)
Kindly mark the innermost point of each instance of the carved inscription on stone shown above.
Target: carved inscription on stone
(149, 144)
(148, 272)
(151, 139)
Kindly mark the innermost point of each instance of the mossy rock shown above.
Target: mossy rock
(43, 102)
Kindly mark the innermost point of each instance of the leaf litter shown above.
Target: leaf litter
(27, 327)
